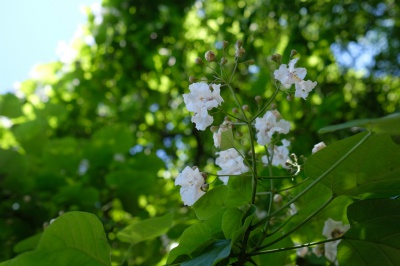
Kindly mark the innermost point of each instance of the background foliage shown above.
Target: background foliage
(107, 133)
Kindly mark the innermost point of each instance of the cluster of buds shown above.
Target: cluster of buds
(240, 51)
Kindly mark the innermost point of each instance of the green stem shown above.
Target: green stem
(295, 247)
(314, 183)
(266, 105)
(288, 233)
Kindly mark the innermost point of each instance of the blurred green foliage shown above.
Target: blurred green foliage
(107, 133)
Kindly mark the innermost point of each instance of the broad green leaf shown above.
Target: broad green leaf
(386, 124)
(248, 218)
(239, 191)
(373, 238)
(10, 105)
(75, 238)
(227, 140)
(213, 254)
(29, 243)
(192, 238)
(231, 222)
(210, 203)
(363, 166)
(146, 229)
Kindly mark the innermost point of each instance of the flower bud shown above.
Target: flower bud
(273, 106)
(198, 61)
(235, 110)
(250, 62)
(240, 52)
(192, 79)
(238, 44)
(210, 56)
(238, 134)
(214, 129)
(225, 44)
(245, 108)
(223, 61)
(276, 58)
(278, 198)
(293, 53)
(258, 99)
(289, 97)
(205, 187)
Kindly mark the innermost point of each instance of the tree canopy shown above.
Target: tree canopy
(106, 131)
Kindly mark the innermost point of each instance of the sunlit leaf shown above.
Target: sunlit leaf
(75, 238)
(239, 191)
(146, 229)
(210, 203)
(191, 239)
(363, 166)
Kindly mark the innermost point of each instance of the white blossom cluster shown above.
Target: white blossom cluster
(267, 125)
(280, 154)
(231, 163)
(201, 99)
(291, 75)
(191, 182)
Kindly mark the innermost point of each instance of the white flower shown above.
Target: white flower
(231, 163)
(291, 75)
(318, 146)
(217, 134)
(333, 229)
(267, 125)
(191, 182)
(200, 100)
(280, 154)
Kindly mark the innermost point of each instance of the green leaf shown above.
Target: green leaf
(192, 238)
(373, 238)
(29, 243)
(386, 124)
(210, 203)
(146, 229)
(227, 140)
(231, 222)
(213, 254)
(239, 191)
(370, 170)
(10, 105)
(75, 238)
(248, 218)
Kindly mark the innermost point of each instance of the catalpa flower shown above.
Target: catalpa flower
(200, 100)
(191, 182)
(267, 125)
(231, 163)
(291, 75)
(280, 154)
(333, 229)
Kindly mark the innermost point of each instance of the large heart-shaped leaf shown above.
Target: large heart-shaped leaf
(75, 238)
(366, 165)
(373, 238)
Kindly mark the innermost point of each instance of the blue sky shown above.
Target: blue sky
(30, 31)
